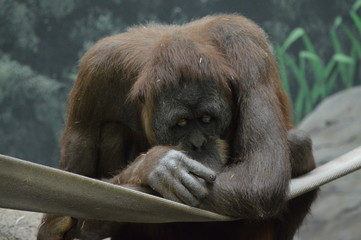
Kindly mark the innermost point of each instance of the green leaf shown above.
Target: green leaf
(335, 41)
(308, 43)
(331, 82)
(356, 19)
(356, 5)
(309, 55)
(329, 67)
(355, 42)
(315, 94)
(294, 35)
(342, 58)
(337, 22)
(282, 69)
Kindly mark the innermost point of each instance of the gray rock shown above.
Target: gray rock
(335, 128)
(18, 225)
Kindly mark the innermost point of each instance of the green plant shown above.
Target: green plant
(317, 78)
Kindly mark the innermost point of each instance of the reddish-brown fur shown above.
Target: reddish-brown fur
(111, 106)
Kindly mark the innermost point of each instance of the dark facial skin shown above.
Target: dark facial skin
(194, 117)
(191, 119)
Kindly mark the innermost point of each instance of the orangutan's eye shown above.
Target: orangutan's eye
(182, 122)
(206, 118)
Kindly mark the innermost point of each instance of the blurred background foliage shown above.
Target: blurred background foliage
(317, 43)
